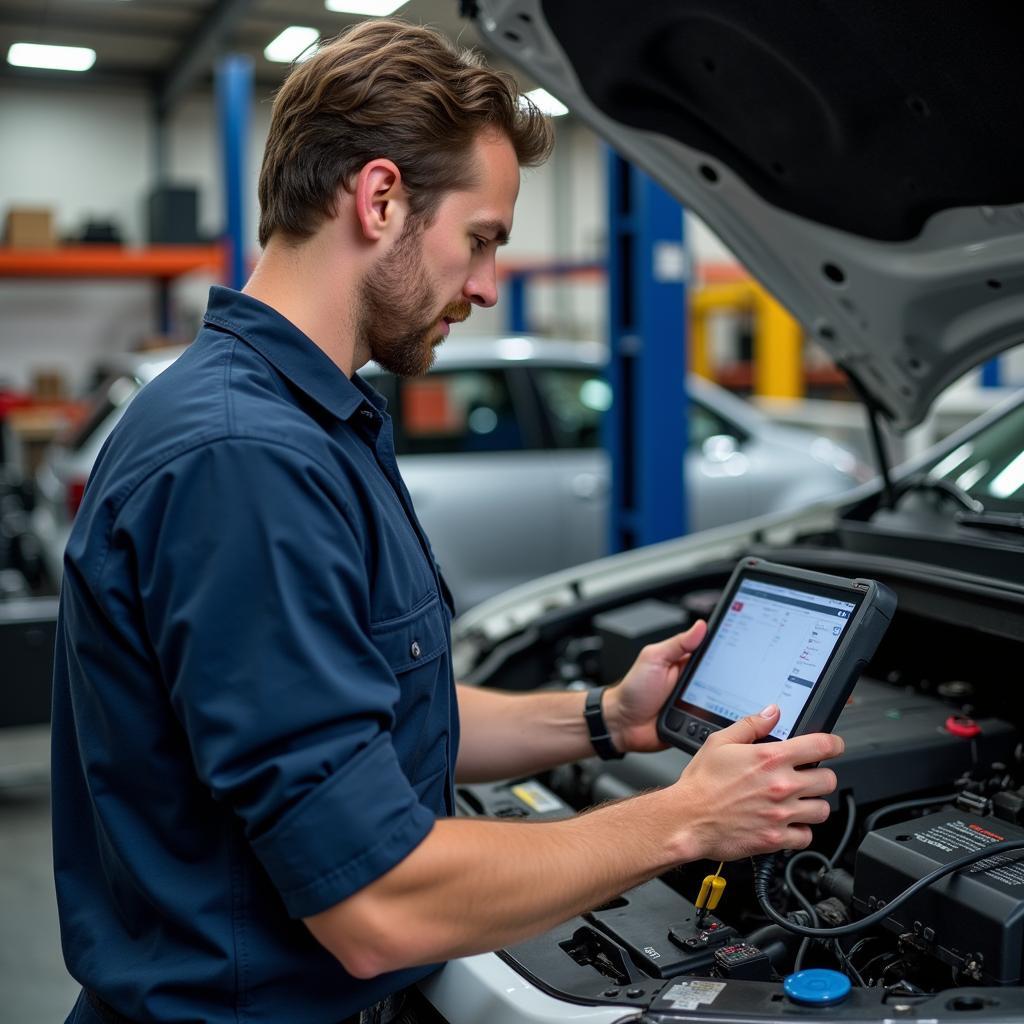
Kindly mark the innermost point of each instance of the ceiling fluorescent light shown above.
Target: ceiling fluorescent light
(546, 103)
(53, 58)
(371, 8)
(295, 43)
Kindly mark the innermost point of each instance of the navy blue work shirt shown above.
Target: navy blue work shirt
(254, 709)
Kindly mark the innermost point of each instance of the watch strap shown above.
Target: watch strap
(598, 728)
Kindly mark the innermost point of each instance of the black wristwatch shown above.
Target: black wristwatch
(598, 728)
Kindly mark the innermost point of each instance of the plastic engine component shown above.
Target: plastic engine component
(973, 919)
(817, 987)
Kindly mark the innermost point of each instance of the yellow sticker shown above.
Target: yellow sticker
(537, 797)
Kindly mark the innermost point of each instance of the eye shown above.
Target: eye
(479, 244)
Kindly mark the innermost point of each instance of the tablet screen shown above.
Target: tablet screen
(771, 646)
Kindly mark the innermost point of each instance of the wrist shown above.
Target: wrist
(611, 705)
(670, 819)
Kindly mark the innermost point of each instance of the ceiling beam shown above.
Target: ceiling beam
(196, 56)
(117, 78)
(122, 27)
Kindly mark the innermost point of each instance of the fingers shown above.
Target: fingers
(809, 749)
(816, 782)
(746, 730)
(677, 647)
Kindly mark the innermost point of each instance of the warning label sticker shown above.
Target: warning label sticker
(688, 995)
(961, 836)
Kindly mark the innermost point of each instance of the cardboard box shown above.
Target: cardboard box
(49, 385)
(30, 227)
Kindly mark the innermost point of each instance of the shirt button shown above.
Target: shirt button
(415, 650)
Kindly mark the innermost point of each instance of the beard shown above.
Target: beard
(394, 299)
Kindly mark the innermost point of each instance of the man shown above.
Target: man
(255, 727)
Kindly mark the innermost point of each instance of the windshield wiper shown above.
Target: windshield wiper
(1011, 522)
(945, 489)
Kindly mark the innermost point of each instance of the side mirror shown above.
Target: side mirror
(720, 447)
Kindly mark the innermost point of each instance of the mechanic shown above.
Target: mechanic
(256, 729)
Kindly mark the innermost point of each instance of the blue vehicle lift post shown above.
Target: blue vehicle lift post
(646, 429)
(991, 374)
(234, 99)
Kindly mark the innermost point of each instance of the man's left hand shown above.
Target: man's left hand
(631, 707)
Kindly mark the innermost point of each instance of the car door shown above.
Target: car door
(718, 470)
(470, 452)
(573, 400)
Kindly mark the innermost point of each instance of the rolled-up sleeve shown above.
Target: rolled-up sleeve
(254, 590)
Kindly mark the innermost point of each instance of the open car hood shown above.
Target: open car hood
(863, 160)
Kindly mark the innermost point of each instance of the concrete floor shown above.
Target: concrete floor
(35, 987)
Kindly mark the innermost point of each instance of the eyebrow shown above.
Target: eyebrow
(495, 228)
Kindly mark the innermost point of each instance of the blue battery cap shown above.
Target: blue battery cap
(817, 987)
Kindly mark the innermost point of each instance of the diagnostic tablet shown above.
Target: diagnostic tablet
(783, 636)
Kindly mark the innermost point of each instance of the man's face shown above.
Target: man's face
(432, 276)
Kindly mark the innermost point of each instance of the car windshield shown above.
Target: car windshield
(990, 466)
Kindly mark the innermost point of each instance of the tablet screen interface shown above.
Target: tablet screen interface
(771, 646)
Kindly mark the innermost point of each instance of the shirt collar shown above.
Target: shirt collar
(290, 351)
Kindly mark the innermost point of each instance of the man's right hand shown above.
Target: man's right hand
(738, 798)
(476, 884)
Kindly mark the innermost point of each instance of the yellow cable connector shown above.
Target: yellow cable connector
(711, 891)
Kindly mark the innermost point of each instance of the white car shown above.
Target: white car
(500, 448)
(861, 159)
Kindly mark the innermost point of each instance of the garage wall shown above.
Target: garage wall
(93, 148)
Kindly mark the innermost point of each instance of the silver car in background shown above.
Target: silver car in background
(500, 447)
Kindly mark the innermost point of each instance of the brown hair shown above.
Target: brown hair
(385, 88)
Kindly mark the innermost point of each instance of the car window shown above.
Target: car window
(575, 400)
(705, 424)
(453, 411)
(114, 393)
(990, 466)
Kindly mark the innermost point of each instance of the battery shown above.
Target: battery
(972, 919)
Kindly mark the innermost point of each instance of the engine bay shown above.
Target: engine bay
(933, 769)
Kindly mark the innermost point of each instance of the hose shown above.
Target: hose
(764, 871)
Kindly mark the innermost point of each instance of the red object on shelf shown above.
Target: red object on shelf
(959, 725)
(10, 400)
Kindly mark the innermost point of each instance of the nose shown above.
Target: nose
(482, 285)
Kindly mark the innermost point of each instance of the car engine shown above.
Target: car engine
(933, 769)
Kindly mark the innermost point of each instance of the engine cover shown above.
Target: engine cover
(973, 919)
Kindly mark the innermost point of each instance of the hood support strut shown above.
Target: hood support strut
(875, 412)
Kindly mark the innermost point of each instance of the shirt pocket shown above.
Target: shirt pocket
(415, 646)
(412, 640)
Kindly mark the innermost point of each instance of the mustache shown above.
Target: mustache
(456, 311)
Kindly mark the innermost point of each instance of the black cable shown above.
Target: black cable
(892, 958)
(861, 943)
(905, 805)
(851, 820)
(801, 899)
(764, 870)
(827, 862)
(844, 959)
(791, 877)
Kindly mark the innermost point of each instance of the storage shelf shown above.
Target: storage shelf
(162, 262)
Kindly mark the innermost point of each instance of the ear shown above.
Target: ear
(380, 200)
